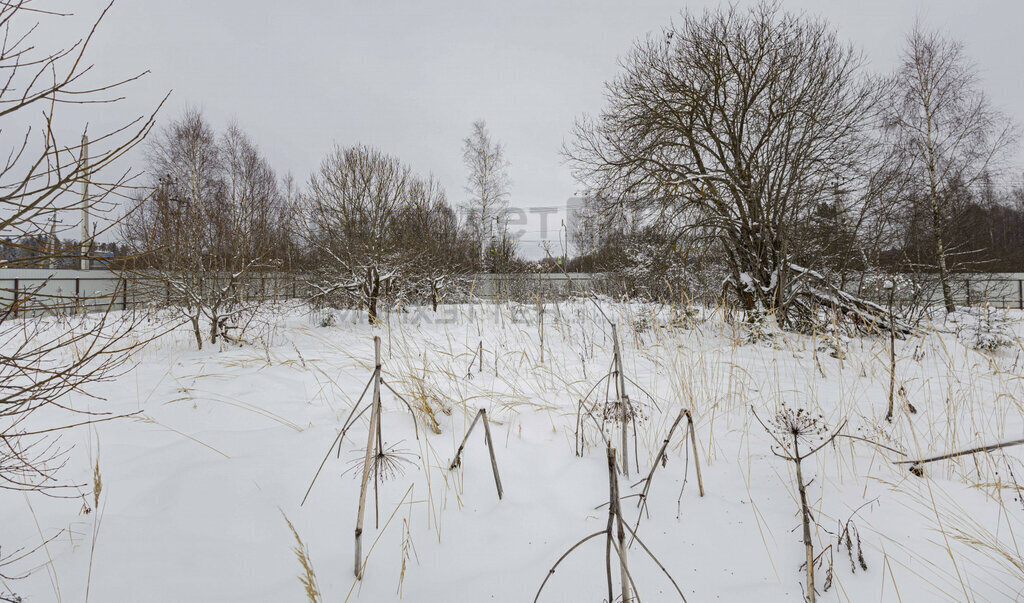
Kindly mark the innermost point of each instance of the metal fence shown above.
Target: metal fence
(999, 292)
(33, 291)
(528, 287)
(36, 291)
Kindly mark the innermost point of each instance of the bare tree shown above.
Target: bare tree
(733, 124)
(378, 231)
(43, 177)
(487, 183)
(445, 252)
(209, 222)
(948, 128)
(352, 201)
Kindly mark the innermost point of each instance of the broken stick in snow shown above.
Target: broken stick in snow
(661, 455)
(915, 466)
(490, 448)
(622, 400)
(615, 511)
(478, 359)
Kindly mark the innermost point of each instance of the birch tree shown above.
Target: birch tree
(213, 217)
(952, 134)
(487, 182)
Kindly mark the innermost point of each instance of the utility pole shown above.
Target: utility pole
(85, 202)
(54, 242)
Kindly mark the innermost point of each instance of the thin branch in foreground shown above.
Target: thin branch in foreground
(915, 465)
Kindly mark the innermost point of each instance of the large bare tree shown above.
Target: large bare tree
(948, 128)
(376, 230)
(734, 123)
(352, 203)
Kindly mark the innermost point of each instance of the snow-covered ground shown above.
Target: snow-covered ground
(195, 490)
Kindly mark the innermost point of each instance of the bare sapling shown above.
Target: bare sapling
(387, 461)
(379, 461)
(482, 413)
(788, 428)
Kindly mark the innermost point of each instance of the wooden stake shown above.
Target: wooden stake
(696, 458)
(540, 317)
(368, 460)
(579, 410)
(490, 448)
(892, 355)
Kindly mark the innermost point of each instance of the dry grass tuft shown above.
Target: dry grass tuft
(308, 576)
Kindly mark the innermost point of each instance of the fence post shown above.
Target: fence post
(124, 294)
(968, 292)
(15, 304)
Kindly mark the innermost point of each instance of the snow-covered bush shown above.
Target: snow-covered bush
(983, 329)
(908, 294)
(760, 326)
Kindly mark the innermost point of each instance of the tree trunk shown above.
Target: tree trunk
(213, 328)
(197, 331)
(933, 197)
(373, 285)
(940, 255)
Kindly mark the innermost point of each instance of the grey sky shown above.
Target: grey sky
(410, 77)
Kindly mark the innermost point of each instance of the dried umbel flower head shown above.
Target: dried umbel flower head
(625, 410)
(386, 464)
(800, 423)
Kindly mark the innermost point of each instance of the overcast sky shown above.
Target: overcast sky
(410, 77)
